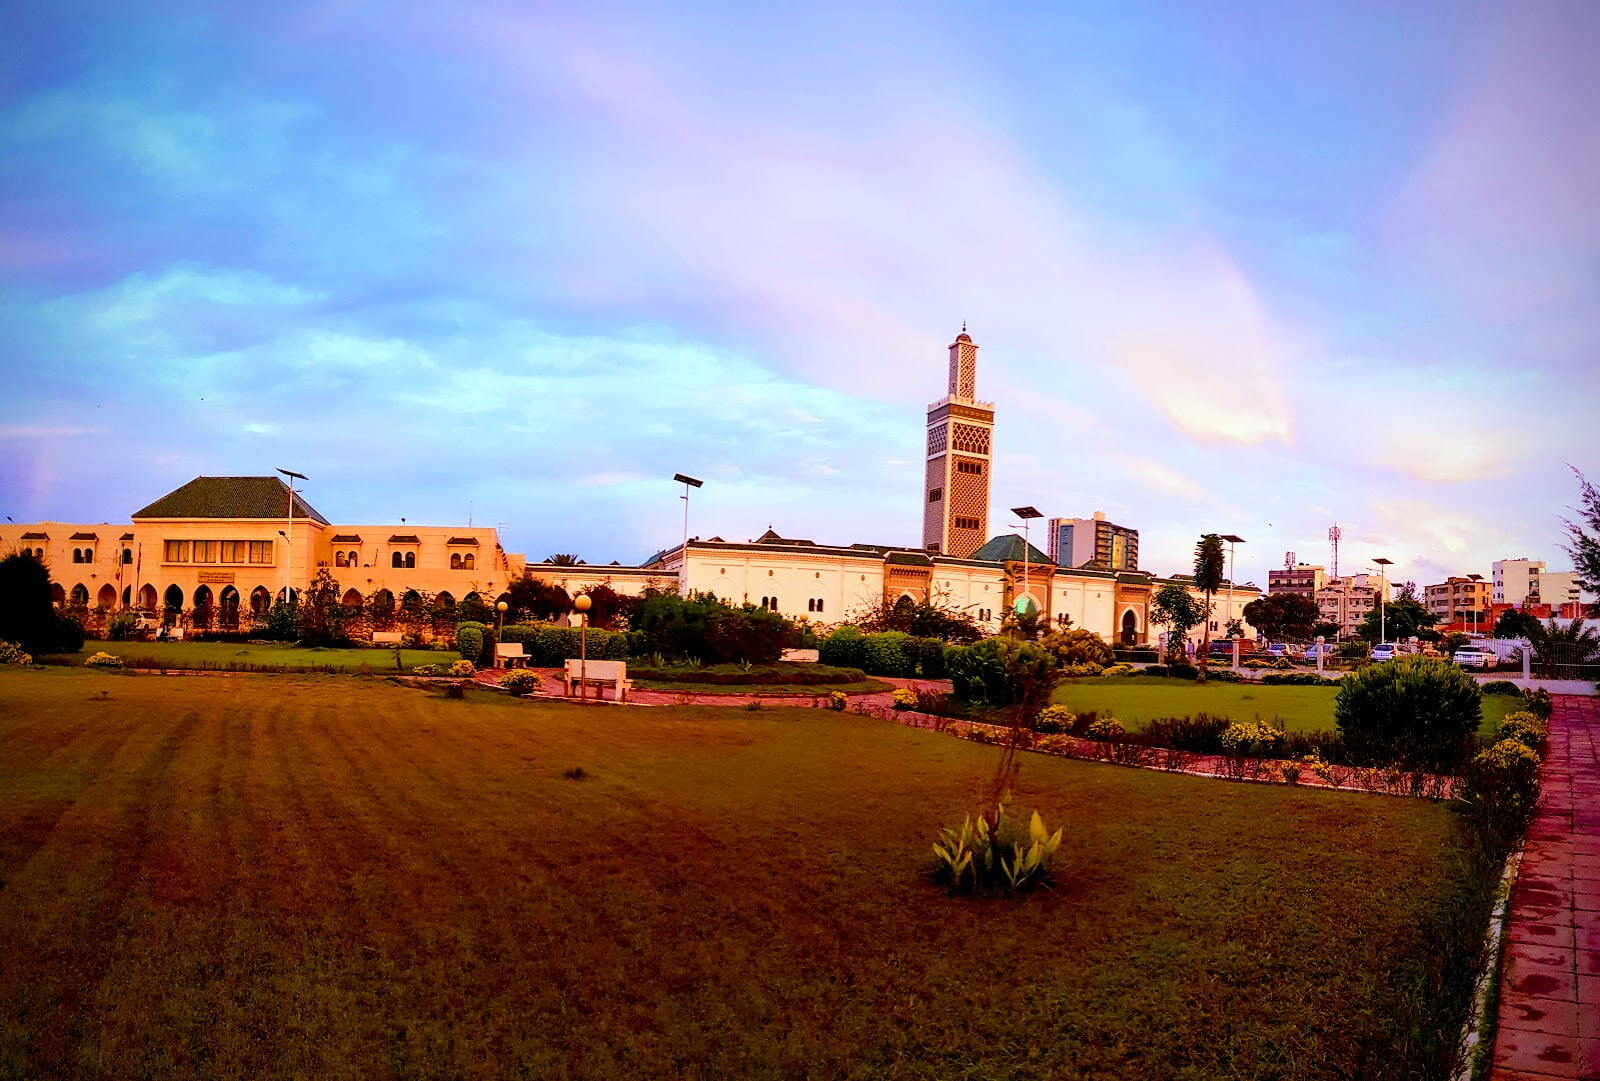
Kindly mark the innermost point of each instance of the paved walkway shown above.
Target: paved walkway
(550, 687)
(1549, 1024)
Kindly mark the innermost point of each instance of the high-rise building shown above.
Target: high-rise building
(1093, 542)
(1303, 579)
(955, 495)
(1516, 581)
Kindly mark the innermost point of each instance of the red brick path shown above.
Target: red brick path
(1549, 1023)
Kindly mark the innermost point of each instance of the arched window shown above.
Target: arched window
(147, 597)
(338, 559)
(80, 595)
(411, 559)
(77, 555)
(352, 559)
(411, 601)
(468, 561)
(58, 596)
(174, 599)
(398, 560)
(88, 555)
(228, 604)
(455, 561)
(351, 599)
(127, 555)
(260, 601)
(108, 596)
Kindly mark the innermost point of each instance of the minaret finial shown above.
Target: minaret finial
(963, 326)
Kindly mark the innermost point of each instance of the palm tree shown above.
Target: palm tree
(1208, 565)
(564, 559)
(1556, 647)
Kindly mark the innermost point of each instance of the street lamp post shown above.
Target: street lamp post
(688, 482)
(499, 625)
(288, 536)
(1027, 514)
(582, 604)
(1232, 540)
(1383, 587)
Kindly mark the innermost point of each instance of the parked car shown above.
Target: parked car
(1385, 651)
(1327, 649)
(1279, 649)
(1470, 657)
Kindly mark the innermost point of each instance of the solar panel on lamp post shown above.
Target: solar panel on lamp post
(688, 482)
(1027, 514)
(288, 536)
(1383, 587)
(1232, 540)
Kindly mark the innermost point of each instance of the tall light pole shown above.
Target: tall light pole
(688, 482)
(1383, 588)
(1232, 540)
(288, 536)
(1027, 514)
(499, 627)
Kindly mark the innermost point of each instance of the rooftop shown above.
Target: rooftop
(231, 497)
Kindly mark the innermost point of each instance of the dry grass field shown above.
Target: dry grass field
(331, 877)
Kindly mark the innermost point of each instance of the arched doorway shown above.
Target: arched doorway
(351, 598)
(1130, 628)
(80, 596)
(228, 606)
(147, 598)
(260, 602)
(201, 616)
(172, 606)
(58, 596)
(108, 596)
(127, 596)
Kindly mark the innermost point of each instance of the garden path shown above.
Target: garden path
(1549, 1021)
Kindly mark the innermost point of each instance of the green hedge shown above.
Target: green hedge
(889, 653)
(819, 675)
(845, 647)
(548, 645)
(470, 640)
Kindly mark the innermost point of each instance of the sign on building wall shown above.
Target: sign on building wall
(216, 578)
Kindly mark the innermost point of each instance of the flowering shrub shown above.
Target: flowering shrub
(1079, 671)
(1250, 739)
(1054, 719)
(1055, 744)
(1537, 702)
(1106, 728)
(520, 682)
(904, 698)
(104, 660)
(1528, 729)
(837, 700)
(463, 667)
(11, 653)
(1119, 670)
(1502, 788)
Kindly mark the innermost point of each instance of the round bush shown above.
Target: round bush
(1250, 739)
(463, 667)
(843, 648)
(1120, 670)
(1054, 720)
(1500, 686)
(1528, 729)
(888, 654)
(469, 641)
(1106, 728)
(520, 682)
(1416, 712)
(1180, 670)
(1502, 789)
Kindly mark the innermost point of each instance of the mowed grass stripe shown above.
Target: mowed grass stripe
(343, 878)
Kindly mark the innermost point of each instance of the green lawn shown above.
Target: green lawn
(264, 656)
(1134, 700)
(306, 876)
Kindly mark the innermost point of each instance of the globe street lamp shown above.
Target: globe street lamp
(582, 604)
(499, 625)
(1027, 514)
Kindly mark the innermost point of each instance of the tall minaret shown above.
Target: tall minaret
(955, 491)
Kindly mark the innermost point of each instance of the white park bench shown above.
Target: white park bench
(174, 633)
(511, 653)
(800, 656)
(600, 674)
(387, 638)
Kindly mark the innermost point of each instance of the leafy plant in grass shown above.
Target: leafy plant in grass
(993, 855)
(1418, 712)
(1003, 672)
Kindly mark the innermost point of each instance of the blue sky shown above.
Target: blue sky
(1252, 270)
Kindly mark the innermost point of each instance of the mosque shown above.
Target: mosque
(230, 545)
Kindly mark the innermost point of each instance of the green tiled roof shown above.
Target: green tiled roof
(230, 497)
(1009, 546)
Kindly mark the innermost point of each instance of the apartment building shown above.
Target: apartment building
(1303, 579)
(1517, 581)
(1093, 542)
(1346, 601)
(1463, 600)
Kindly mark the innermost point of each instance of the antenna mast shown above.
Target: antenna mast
(1334, 533)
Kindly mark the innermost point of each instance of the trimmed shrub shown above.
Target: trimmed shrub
(1416, 712)
(1153, 670)
(1537, 702)
(463, 667)
(1105, 729)
(930, 658)
(1528, 729)
(844, 648)
(1134, 656)
(1500, 686)
(819, 675)
(1250, 739)
(904, 698)
(1054, 720)
(1077, 647)
(1502, 789)
(888, 653)
(11, 653)
(520, 682)
(1297, 679)
(469, 641)
(1120, 670)
(999, 671)
(1182, 670)
(1224, 675)
(104, 660)
(1081, 671)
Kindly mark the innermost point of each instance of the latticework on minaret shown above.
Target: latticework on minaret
(955, 490)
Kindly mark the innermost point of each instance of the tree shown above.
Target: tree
(932, 618)
(1283, 616)
(563, 559)
(1515, 624)
(534, 598)
(1175, 608)
(1208, 568)
(26, 615)
(605, 604)
(1323, 629)
(1585, 546)
(1560, 652)
(1399, 619)
(1407, 591)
